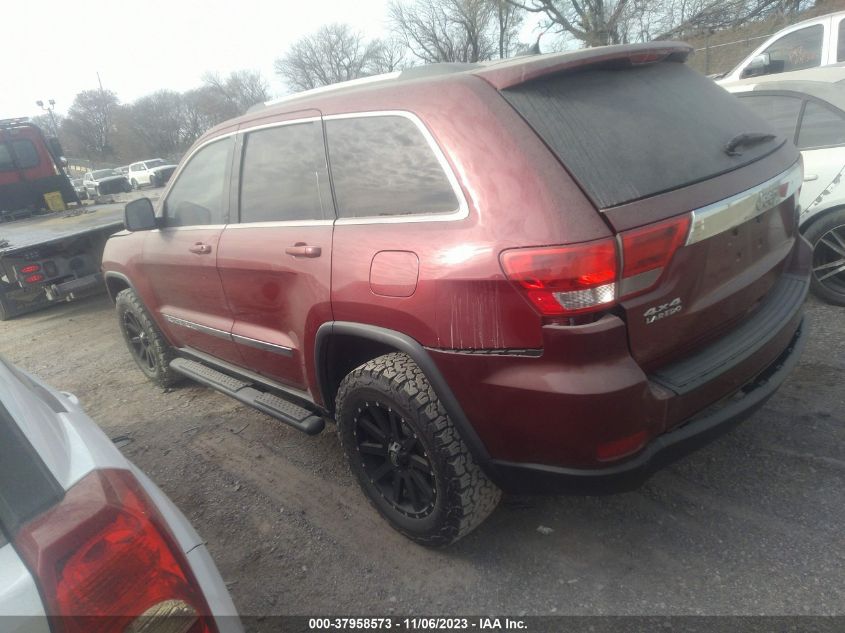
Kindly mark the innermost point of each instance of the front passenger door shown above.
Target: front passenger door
(180, 258)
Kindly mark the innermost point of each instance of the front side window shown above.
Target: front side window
(25, 154)
(780, 111)
(820, 127)
(197, 196)
(383, 166)
(797, 50)
(284, 175)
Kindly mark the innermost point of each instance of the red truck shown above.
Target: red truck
(44, 256)
(531, 274)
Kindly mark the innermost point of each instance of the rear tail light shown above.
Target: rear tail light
(34, 279)
(648, 250)
(104, 560)
(562, 280)
(585, 277)
(29, 268)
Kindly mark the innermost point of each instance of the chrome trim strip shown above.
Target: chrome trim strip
(263, 345)
(461, 213)
(280, 223)
(197, 327)
(726, 214)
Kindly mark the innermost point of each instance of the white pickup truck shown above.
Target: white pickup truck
(815, 42)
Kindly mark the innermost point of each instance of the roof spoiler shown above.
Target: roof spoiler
(520, 70)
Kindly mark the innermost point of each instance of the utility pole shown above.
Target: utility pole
(49, 109)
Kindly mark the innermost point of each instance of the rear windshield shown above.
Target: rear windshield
(627, 134)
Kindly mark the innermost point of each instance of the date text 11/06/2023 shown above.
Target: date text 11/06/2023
(417, 624)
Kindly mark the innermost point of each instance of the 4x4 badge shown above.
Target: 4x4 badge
(655, 313)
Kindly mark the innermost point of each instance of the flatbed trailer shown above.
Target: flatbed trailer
(52, 257)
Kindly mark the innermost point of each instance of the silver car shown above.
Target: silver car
(85, 533)
(808, 107)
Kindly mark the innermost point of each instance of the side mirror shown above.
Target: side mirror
(139, 215)
(759, 65)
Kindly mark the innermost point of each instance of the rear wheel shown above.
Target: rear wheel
(407, 455)
(827, 236)
(146, 343)
(134, 184)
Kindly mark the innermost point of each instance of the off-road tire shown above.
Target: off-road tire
(463, 495)
(831, 292)
(156, 363)
(134, 184)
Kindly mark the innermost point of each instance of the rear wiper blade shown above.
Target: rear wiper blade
(746, 139)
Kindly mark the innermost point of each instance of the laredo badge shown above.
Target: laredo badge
(655, 313)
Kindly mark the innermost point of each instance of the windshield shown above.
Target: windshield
(104, 173)
(155, 163)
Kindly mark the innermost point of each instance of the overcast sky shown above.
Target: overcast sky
(53, 49)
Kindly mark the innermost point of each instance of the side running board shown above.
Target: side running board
(283, 410)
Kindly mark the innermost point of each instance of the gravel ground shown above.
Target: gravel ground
(751, 524)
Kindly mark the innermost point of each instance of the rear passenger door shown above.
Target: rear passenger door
(275, 262)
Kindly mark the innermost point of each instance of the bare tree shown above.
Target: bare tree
(241, 90)
(334, 53)
(158, 120)
(388, 56)
(89, 121)
(446, 30)
(594, 22)
(509, 18)
(601, 22)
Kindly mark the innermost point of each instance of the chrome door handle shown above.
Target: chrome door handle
(200, 249)
(810, 177)
(303, 250)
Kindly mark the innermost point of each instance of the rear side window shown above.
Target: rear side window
(820, 127)
(384, 166)
(840, 42)
(25, 152)
(284, 175)
(797, 50)
(780, 111)
(631, 133)
(197, 196)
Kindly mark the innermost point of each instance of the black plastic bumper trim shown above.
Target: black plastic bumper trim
(666, 448)
(781, 304)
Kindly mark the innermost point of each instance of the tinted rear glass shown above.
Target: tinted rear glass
(781, 111)
(383, 165)
(820, 127)
(284, 175)
(626, 134)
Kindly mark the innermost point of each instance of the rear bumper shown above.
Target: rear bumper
(568, 413)
(664, 449)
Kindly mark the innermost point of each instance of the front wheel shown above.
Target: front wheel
(149, 349)
(827, 236)
(407, 454)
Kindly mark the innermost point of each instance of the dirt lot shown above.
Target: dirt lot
(752, 524)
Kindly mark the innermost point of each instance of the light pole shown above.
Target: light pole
(49, 109)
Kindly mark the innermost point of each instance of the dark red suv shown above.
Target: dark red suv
(530, 274)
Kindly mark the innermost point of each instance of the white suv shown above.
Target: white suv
(154, 172)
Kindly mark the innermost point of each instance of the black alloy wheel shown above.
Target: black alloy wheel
(139, 343)
(394, 460)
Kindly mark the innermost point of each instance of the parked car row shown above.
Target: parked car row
(808, 108)
(150, 173)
